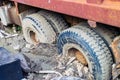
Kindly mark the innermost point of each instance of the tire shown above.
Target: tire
(56, 20)
(36, 29)
(92, 46)
(107, 32)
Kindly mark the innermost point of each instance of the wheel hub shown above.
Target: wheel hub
(33, 36)
(81, 58)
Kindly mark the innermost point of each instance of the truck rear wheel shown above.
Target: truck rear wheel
(56, 20)
(91, 48)
(36, 29)
(107, 32)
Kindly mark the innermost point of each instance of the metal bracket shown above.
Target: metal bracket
(92, 24)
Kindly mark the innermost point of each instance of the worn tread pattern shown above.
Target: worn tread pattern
(40, 26)
(56, 20)
(107, 32)
(96, 49)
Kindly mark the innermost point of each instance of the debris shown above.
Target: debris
(44, 62)
(115, 72)
(1, 25)
(28, 46)
(80, 69)
(67, 78)
(9, 36)
(89, 76)
(30, 76)
(45, 66)
(4, 34)
(16, 47)
(71, 60)
(69, 72)
(14, 29)
(24, 79)
(1, 35)
(49, 72)
(86, 70)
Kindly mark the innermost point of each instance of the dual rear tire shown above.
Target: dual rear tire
(44, 27)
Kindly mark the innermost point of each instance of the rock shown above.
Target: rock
(50, 76)
(86, 70)
(29, 46)
(80, 69)
(46, 66)
(69, 72)
(16, 47)
(30, 76)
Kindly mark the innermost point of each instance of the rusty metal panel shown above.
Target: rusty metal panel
(116, 49)
(107, 12)
(13, 15)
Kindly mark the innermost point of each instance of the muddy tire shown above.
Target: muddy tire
(107, 32)
(92, 47)
(36, 29)
(56, 20)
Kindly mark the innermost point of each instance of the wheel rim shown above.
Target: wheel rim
(80, 57)
(73, 50)
(77, 52)
(33, 36)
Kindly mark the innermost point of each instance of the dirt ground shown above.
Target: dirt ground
(44, 61)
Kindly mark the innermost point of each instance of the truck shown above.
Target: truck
(90, 28)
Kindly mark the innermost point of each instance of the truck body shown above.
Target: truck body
(103, 11)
